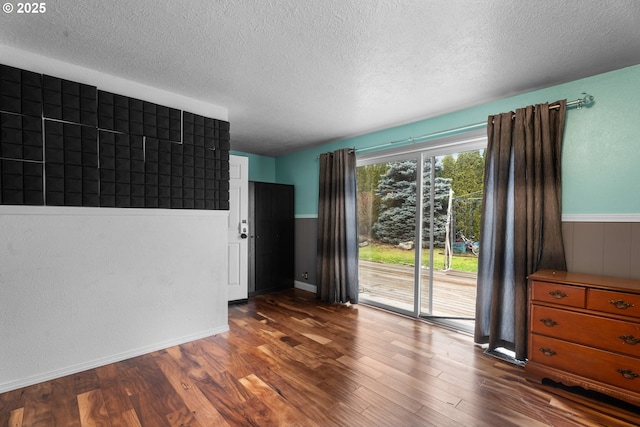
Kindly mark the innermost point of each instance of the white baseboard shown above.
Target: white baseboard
(47, 376)
(305, 286)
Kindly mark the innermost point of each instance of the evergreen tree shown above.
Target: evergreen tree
(397, 192)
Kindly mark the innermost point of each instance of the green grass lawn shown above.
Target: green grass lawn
(391, 254)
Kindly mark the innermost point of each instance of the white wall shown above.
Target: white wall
(82, 287)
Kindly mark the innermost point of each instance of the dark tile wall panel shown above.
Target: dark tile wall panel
(20, 91)
(69, 101)
(102, 149)
(71, 164)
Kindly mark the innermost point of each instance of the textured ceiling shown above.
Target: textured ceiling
(298, 73)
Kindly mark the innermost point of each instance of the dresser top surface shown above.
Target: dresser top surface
(591, 280)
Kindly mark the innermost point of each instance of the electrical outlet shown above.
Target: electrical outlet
(305, 275)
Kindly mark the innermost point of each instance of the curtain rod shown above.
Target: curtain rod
(586, 100)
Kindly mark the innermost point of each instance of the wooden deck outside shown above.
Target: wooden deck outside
(454, 293)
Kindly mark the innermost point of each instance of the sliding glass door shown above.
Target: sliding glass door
(419, 216)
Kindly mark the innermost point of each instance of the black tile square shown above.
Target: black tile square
(137, 166)
(164, 169)
(11, 136)
(151, 191)
(11, 104)
(33, 198)
(30, 152)
(123, 189)
(152, 144)
(163, 133)
(90, 173)
(176, 203)
(164, 202)
(123, 164)
(53, 155)
(90, 187)
(105, 122)
(105, 97)
(107, 175)
(188, 193)
(107, 201)
(73, 199)
(107, 188)
(137, 190)
(73, 158)
(123, 201)
(164, 192)
(32, 169)
(136, 104)
(72, 185)
(188, 204)
(123, 177)
(90, 200)
(123, 152)
(199, 204)
(137, 202)
(12, 197)
(54, 170)
(151, 202)
(13, 121)
(11, 151)
(136, 128)
(164, 180)
(12, 167)
(149, 130)
(72, 143)
(89, 159)
(32, 138)
(137, 178)
(151, 167)
(54, 198)
(89, 118)
(55, 184)
(70, 115)
(151, 179)
(33, 183)
(107, 163)
(12, 182)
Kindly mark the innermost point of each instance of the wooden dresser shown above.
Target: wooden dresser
(585, 330)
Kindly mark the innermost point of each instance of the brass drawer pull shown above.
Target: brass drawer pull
(621, 304)
(628, 374)
(629, 339)
(549, 322)
(558, 294)
(548, 352)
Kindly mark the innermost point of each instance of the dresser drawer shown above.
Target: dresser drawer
(610, 368)
(571, 296)
(607, 334)
(620, 303)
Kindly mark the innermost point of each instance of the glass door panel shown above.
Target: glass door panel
(386, 231)
(450, 226)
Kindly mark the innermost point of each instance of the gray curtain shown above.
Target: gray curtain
(521, 220)
(337, 268)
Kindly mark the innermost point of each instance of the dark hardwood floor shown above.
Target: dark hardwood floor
(290, 361)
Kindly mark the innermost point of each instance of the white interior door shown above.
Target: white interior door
(238, 249)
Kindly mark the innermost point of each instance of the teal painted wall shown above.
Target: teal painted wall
(261, 168)
(601, 149)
